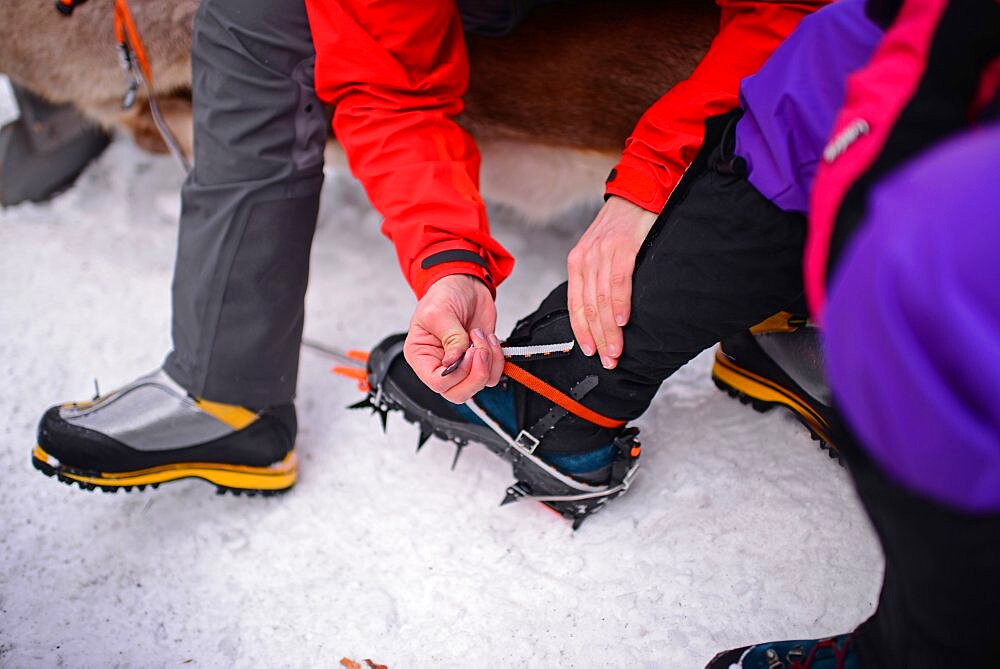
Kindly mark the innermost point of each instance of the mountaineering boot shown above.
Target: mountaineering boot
(152, 431)
(575, 479)
(779, 362)
(830, 653)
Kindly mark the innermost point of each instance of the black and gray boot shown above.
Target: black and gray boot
(152, 431)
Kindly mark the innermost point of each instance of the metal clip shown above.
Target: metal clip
(128, 99)
(527, 441)
(128, 64)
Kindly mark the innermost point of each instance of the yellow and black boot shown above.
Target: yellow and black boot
(152, 431)
(779, 363)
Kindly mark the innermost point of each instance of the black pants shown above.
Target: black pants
(719, 259)
(940, 599)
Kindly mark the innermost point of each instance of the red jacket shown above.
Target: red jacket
(396, 73)
(670, 133)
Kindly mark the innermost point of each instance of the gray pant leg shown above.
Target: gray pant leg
(249, 205)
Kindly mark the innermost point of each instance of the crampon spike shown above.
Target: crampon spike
(512, 496)
(422, 439)
(383, 416)
(362, 404)
(458, 452)
(578, 521)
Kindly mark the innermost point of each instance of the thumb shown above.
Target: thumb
(452, 335)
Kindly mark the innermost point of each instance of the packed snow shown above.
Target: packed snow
(738, 529)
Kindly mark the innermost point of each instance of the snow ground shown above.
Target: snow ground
(738, 529)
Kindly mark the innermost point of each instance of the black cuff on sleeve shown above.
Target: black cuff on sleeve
(455, 255)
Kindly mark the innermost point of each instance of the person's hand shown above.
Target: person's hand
(600, 277)
(455, 311)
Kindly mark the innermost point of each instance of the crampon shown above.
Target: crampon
(388, 385)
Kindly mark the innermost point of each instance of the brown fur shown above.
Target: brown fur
(581, 73)
(75, 59)
(574, 74)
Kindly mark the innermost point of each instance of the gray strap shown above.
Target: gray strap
(557, 413)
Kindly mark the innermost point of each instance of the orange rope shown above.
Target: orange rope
(532, 382)
(127, 33)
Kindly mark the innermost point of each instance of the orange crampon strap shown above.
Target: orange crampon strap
(533, 383)
(356, 373)
(360, 356)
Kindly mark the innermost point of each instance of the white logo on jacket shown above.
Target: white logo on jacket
(843, 139)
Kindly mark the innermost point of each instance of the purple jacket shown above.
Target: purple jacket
(790, 105)
(912, 323)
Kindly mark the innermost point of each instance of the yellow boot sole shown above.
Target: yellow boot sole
(764, 394)
(237, 479)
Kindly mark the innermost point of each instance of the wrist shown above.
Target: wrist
(629, 215)
(641, 183)
(460, 281)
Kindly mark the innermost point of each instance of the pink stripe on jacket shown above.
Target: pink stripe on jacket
(876, 96)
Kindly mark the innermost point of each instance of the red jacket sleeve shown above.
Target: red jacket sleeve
(670, 133)
(396, 72)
